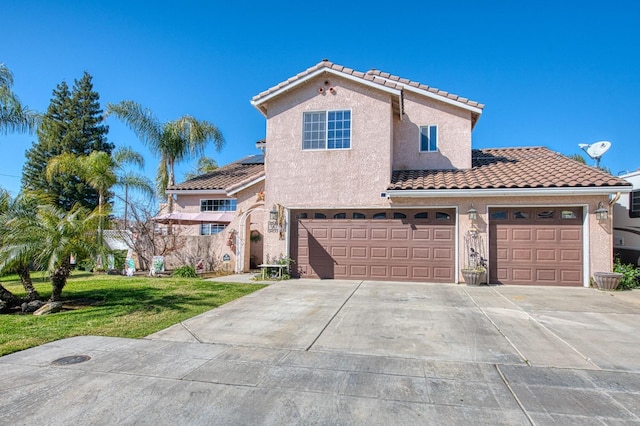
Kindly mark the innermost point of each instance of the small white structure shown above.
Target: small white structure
(626, 222)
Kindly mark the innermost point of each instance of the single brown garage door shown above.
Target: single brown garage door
(536, 246)
(399, 245)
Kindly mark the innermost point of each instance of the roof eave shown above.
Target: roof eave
(507, 192)
(260, 103)
(196, 191)
(232, 190)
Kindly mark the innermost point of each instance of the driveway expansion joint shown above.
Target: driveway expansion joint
(334, 315)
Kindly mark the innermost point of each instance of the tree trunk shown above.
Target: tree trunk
(8, 297)
(25, 278)
(59, 280)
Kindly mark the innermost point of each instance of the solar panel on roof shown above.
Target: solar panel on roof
(254, 159)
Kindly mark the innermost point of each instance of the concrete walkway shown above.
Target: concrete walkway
(350, 352)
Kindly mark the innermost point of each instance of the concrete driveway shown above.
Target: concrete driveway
(348, 352)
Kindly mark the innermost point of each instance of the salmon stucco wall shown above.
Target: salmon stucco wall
(454, 135)
(344, 177)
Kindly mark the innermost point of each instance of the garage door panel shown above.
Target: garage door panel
(421, 234)
(394, 249)
(546, 255)
(571, 255)
(442, 254)
(338, 251)
(400, 253)
(358, 234)
(544, 276)
(379, 271)
(339, 234)
(358, 252)
(546, 234)
(418, 253)
(442, 234)
(400, 234)
(357, 271)
(400, 272)
(379, 234)
(421, 272)
(443, 274)
(572, 276)
(521, 274)
(521, 255)
(571, 235)
(521, 235)
(541, 248)
(379, 252)
(320, 233)
(502, 234)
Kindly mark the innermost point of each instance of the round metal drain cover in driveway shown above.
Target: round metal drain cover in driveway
(73, 359)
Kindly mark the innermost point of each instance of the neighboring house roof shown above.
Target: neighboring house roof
(229, 178)
(383, 81)
(117, 240)
(508, 168)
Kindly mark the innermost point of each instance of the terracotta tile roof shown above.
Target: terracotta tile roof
(527, 167)
(227, 177)
(375, 76)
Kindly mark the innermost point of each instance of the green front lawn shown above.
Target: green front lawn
(108, 305)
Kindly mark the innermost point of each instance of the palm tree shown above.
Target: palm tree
(14, 117)
(205, 165)
(175, 141)
(50, 237)
(102, 172)
(11, 210)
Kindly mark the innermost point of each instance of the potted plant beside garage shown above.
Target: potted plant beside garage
(474, 271)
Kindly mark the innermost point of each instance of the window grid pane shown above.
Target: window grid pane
(211, 228)
(314, 133)
(222, 205)
(339, 135)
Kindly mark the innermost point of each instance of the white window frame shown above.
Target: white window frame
(634, 203)
(220, 227)
(326, 130)
(429, 127)
(220, 199)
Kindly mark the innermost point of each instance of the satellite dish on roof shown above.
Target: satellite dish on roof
(595, 150)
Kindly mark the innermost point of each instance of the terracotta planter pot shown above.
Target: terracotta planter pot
(607, 280)
(474, 278)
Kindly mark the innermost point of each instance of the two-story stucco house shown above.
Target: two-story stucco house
(370, 176)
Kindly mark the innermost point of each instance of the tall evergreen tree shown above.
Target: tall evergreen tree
(72, 124)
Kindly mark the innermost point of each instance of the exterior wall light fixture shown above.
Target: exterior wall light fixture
(273, 214)
(602, 213)
(473, 214)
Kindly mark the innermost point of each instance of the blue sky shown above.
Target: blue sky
(551, 73)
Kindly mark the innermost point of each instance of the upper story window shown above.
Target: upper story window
(634, 203)
(428, 138)
(221, 205)
(326, 130)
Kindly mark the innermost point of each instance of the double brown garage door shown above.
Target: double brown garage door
(406, 245)
(536, 246)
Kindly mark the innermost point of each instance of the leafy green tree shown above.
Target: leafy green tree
(14, 117)
(101, 172)
(50, 237)
(205, 165)
(174, 141)
(11, 210)
(72, 124)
